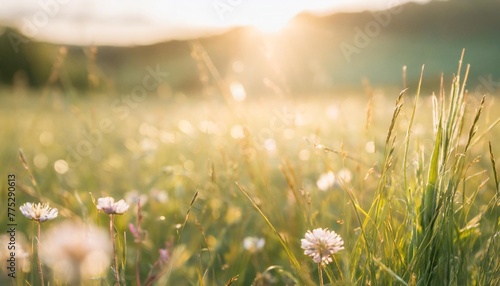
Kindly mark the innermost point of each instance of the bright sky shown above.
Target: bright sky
(134, 22)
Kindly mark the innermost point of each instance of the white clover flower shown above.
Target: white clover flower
(253, 244)
(38, 212)
(321, 244)
(76, 251)
(326, 181)
(109, 206)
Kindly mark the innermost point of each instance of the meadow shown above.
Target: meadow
(222, 189)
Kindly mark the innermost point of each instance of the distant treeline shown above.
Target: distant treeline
(314, 54)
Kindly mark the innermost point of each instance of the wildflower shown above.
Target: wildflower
(326, 181)
(76, 251)
(133, 197)
(253, 244)
(136, 232)
(164, 255)
(109, 206)
(160, 196)
(159, 266)
(38, 212)
(321, 244)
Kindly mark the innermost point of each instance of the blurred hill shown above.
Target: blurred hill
(313, 54)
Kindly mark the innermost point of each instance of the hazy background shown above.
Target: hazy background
(169, 103)
(303, 48)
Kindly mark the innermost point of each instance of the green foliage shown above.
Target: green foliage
(418, 211)
(432, 232)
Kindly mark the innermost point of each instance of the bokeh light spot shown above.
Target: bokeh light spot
(46, 138)
(237, 132)
(61, 166)
(40, 161)
(185, 127)
(370, 147)
(238, 91)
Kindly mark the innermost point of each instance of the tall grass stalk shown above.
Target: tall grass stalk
(364, 253)
(422, 215)
(424, 235)
(284, 244)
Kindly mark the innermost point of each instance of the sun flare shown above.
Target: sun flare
(271, 26)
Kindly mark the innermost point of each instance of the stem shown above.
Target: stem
(320, 272)
(112, 235)
(137, 259)
(76, 279)
(38, 258)
(138, 241)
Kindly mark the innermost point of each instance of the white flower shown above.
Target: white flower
(109, 206)
(76, 251)
(326, 181)
(253, 244)
(321, 244)
(38, 212)
(160, 196)
(134, 197)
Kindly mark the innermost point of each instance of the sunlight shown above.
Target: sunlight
(272, 26)
(106, 22)
(238, 91)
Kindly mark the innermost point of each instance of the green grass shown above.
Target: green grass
(422, 209)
